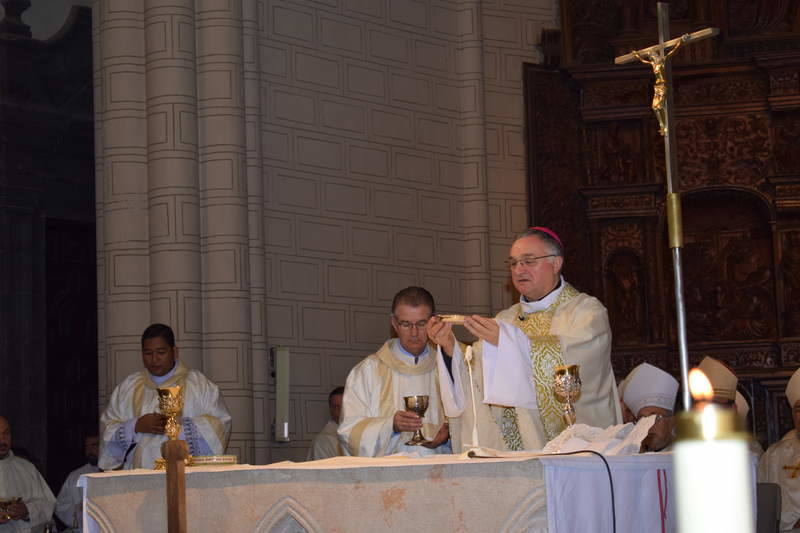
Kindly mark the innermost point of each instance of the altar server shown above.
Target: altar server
(69, 503)
(652, 392)
(27, 502)
(374, 419)
(132, 429)
(513, 362)
(781, 462)
(326, 442)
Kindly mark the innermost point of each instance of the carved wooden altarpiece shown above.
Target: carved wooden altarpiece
(596, 175)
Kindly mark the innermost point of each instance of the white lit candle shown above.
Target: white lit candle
(713, 472)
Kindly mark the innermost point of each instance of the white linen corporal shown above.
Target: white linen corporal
(504, 375)
(70, 498)
(374, 393)
(205, 419)
(20, 479)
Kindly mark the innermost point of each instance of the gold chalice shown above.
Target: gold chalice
(170, 404)
(417, 404)
(5, 505)
(567, 389)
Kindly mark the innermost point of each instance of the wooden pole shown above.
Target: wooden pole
(175, 452)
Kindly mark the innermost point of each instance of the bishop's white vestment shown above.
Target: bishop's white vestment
(20, 479)
(326, 443)
(784, 453)
(205, 420)
(374, 393)
(512, 383)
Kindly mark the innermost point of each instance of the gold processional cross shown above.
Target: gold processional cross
(657, 57)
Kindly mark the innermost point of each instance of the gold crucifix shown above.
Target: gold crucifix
(794, 469)
(656, 56)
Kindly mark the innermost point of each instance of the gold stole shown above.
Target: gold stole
(546, 354)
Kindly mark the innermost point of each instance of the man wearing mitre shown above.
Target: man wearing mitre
(513, 361)
(652, 392)
(375, 421)
(781, 462)
(132, 429)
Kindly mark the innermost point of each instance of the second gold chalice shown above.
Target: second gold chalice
(417, 404)
(567, 389)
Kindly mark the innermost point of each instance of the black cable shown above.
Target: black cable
(610, 482)
(472, 454)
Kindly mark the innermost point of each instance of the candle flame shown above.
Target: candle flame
(699, 386)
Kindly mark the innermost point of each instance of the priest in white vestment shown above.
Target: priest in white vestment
(132, 429)
(19, 480)
(781, 462)
(326, 443)
(513, 363)
(652, 392)
(69, 503)
(374, 420)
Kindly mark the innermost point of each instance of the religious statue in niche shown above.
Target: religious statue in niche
(728, 293)
(625, 297)
(790, 267)
(614, 161)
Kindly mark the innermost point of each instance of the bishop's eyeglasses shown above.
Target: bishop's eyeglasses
(526, 260)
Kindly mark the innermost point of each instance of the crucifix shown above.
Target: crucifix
(794, 469)
(657, 56)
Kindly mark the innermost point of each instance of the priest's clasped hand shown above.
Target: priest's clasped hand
(151, 423)
(15, 511)
(406, 421)
(441, 437)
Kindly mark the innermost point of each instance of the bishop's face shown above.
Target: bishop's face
(536, 281)
(661, 434)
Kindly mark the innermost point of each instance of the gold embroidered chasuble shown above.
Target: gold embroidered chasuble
(546, 354)
(572, 330)
(374, 393)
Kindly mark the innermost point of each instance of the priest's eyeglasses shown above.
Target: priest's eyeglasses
(526, 260)
(405, 324)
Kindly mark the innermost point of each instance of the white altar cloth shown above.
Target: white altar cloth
(397, 494)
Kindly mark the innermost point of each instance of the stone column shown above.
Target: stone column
(172, 172)
(173, 201)
(224, 214)
(123, 266)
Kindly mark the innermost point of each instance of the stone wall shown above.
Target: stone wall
(272, 172)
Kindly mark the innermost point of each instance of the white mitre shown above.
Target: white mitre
(793, 388)
(742, 407)
(722, 379)
(624, 383)
(650, 386)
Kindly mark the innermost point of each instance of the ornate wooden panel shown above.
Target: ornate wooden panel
(597, 176)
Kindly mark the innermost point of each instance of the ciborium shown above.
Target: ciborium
(567, 388)
(417, 404)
